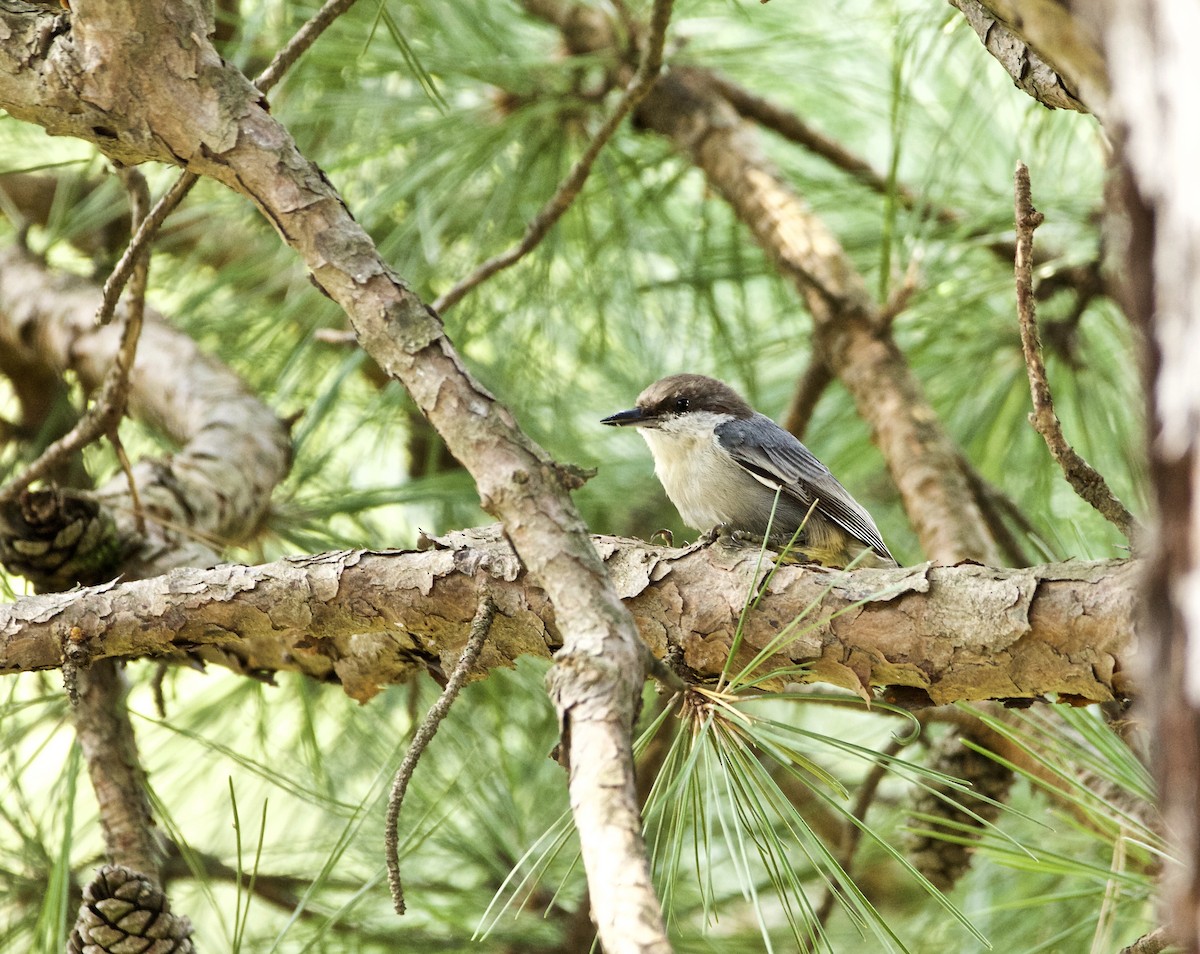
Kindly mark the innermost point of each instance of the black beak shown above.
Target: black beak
(632, 417)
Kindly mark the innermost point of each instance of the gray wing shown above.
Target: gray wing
(777, 459)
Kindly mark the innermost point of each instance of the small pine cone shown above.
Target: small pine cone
(944, 862)
(124, 912)
(59, 538)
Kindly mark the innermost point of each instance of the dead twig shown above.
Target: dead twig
(794, 129)
(812, 384)
(1087, 482)
(107, 409)
(437, 712)
(298, 45)
(569, 188)
(139, 206)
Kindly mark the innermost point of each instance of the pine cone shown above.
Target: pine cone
(124, 912)
(944, 862)
(59, 538)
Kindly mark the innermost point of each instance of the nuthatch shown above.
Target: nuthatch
(722, 464)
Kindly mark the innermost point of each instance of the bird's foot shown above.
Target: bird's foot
(789, 549)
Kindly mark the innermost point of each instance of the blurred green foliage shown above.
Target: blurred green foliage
(446, 126)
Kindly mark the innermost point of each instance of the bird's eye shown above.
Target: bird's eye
(681, 405)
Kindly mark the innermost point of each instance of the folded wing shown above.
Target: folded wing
(775, 458)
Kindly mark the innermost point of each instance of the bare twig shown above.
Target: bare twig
(298, 45)
(1085, 479)
(812, 384)
(791, 127)
(479, 630)
(140, 243)
(569, 188)
(997, 508)
(139, 206)
(794, 129)
(106, 411)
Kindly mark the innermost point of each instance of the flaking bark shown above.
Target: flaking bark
(165, 94)
(368, 619)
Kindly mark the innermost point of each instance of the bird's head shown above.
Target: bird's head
(680, 395)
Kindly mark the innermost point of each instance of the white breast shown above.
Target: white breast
(704, 483)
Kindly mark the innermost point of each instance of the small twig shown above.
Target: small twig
(1155, 942)
(1085, 479)
(298, 45)
(135, 302)
(106, 737)
(424, 734)
(139, 514)
(570, 187)
(109, 405)
(901, 294)
(659, 670)
(794, 129)
(812, 384)
(140, 242)
(996, 506)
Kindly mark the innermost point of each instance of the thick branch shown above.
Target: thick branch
(368, 619)
(164, 93)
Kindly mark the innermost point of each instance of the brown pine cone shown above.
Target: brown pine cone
(125, 913)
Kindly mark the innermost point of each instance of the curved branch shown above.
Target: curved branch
(234, 450)
(1060, 38)
(1031, 72)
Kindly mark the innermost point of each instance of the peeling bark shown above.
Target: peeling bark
(141, 81)
(368, 619)
(1051, 53)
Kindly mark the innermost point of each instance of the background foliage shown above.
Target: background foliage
(446, 126)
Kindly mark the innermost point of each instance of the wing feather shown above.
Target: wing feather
(775, 458)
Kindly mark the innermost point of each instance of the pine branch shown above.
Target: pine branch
(366, 619)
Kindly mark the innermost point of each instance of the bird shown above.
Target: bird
(723, 465)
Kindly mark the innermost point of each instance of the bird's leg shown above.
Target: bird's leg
(709, 537)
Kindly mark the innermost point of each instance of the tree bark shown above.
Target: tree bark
(142, 82)
(368, 619)
(1156, 231)
(1055, 53)
(1030, 70)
